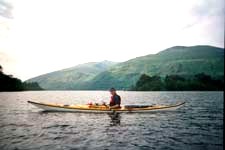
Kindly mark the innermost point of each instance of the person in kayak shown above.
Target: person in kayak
(115, 99)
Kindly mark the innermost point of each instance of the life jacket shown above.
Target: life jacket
(115, 100)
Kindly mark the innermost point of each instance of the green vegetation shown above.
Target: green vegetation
(74, 78)
(32, 86)
(181, 61)
(9, 83)
(199, 82)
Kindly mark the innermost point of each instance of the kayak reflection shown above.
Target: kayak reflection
(115, 119)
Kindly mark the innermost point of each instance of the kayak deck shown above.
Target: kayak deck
(103, 108)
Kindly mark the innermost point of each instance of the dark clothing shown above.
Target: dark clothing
(115, 100)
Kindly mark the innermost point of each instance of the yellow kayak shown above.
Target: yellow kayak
(103, 108)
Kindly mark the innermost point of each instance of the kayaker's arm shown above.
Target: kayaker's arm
(114, 106)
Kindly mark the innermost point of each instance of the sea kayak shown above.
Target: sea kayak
(103, 108)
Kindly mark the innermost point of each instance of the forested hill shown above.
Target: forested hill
(10, 83)
(75, 77)
(178, 60)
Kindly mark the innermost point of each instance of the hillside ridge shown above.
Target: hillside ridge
(177, 60)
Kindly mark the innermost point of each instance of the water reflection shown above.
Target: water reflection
(115, 119)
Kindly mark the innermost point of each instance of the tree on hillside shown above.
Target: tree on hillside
(200, 82)
(206, 82)
(31, 86)
(1, 69)
(175, 83)
(147, 83)
(9, 83)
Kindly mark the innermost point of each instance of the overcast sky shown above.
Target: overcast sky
(40, 36)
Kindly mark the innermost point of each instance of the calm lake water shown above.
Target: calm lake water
(198, 125)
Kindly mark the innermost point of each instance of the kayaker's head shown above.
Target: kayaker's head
(112, 91)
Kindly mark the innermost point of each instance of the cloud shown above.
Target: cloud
(207, 10)
(6, 9)
(208, 22)
(75, 32)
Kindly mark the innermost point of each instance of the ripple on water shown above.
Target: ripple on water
(196, 126)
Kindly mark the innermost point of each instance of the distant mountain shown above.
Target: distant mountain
(72, 78)
(178, 60)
